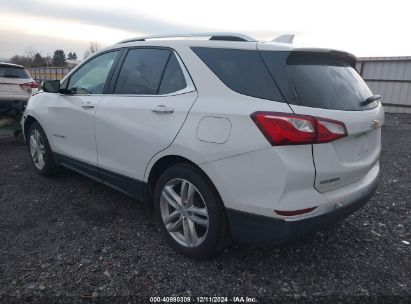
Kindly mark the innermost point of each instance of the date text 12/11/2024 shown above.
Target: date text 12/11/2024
(203, 299)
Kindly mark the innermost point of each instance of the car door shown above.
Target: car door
(151, 97)
(71, 115)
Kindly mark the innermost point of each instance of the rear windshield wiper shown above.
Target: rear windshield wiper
(11, 76)
(370, 100)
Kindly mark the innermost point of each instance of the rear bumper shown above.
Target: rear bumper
(11, 98)
(256, 229)
(8, 105)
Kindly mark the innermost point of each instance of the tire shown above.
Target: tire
(48, 166)
(207, 241)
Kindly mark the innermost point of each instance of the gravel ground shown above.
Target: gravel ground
(69, 239)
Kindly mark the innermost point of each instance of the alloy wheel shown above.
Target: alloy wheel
(37, 149)
(184, 212)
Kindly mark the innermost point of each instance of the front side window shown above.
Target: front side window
(91, 77)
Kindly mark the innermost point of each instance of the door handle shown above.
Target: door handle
(162, 109)
(87, 105)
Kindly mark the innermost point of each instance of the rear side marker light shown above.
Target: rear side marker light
(294, 212)
(293, 129)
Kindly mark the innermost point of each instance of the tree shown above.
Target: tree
(92, 48)
(48, 60)
(38, 61)
(30, 53)
(72, 56)
(21, 60)
(59, 58)
(24, 60)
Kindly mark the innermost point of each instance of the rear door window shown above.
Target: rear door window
(243, 71)
(142, 71)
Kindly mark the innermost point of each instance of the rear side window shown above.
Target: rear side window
(242, 71)
(324, 80)
(13, 72)
(142, 71)
(173, 79)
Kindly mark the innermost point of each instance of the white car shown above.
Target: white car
(16, 87)
(16, 83)
(228, 137)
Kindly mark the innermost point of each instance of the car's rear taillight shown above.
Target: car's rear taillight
(285, 129)
(329, 130)
(293, 129)
(30, 85)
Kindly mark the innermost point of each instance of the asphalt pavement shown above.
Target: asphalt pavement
(70, 239)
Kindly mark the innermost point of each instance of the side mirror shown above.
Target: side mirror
(51, 86)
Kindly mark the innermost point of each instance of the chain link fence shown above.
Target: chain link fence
(49, 73)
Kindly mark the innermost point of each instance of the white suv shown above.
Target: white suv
(228, 137)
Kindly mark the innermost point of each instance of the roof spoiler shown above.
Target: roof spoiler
(309, 54)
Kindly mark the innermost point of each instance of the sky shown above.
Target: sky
(364, 28)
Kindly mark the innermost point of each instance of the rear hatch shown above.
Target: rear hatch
(323, 83)
(15, 83)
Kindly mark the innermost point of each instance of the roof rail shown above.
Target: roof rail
(284, 39)
(213, 36)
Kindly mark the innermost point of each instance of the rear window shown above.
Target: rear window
(324, 80)
(13, 72)
(243, 71)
